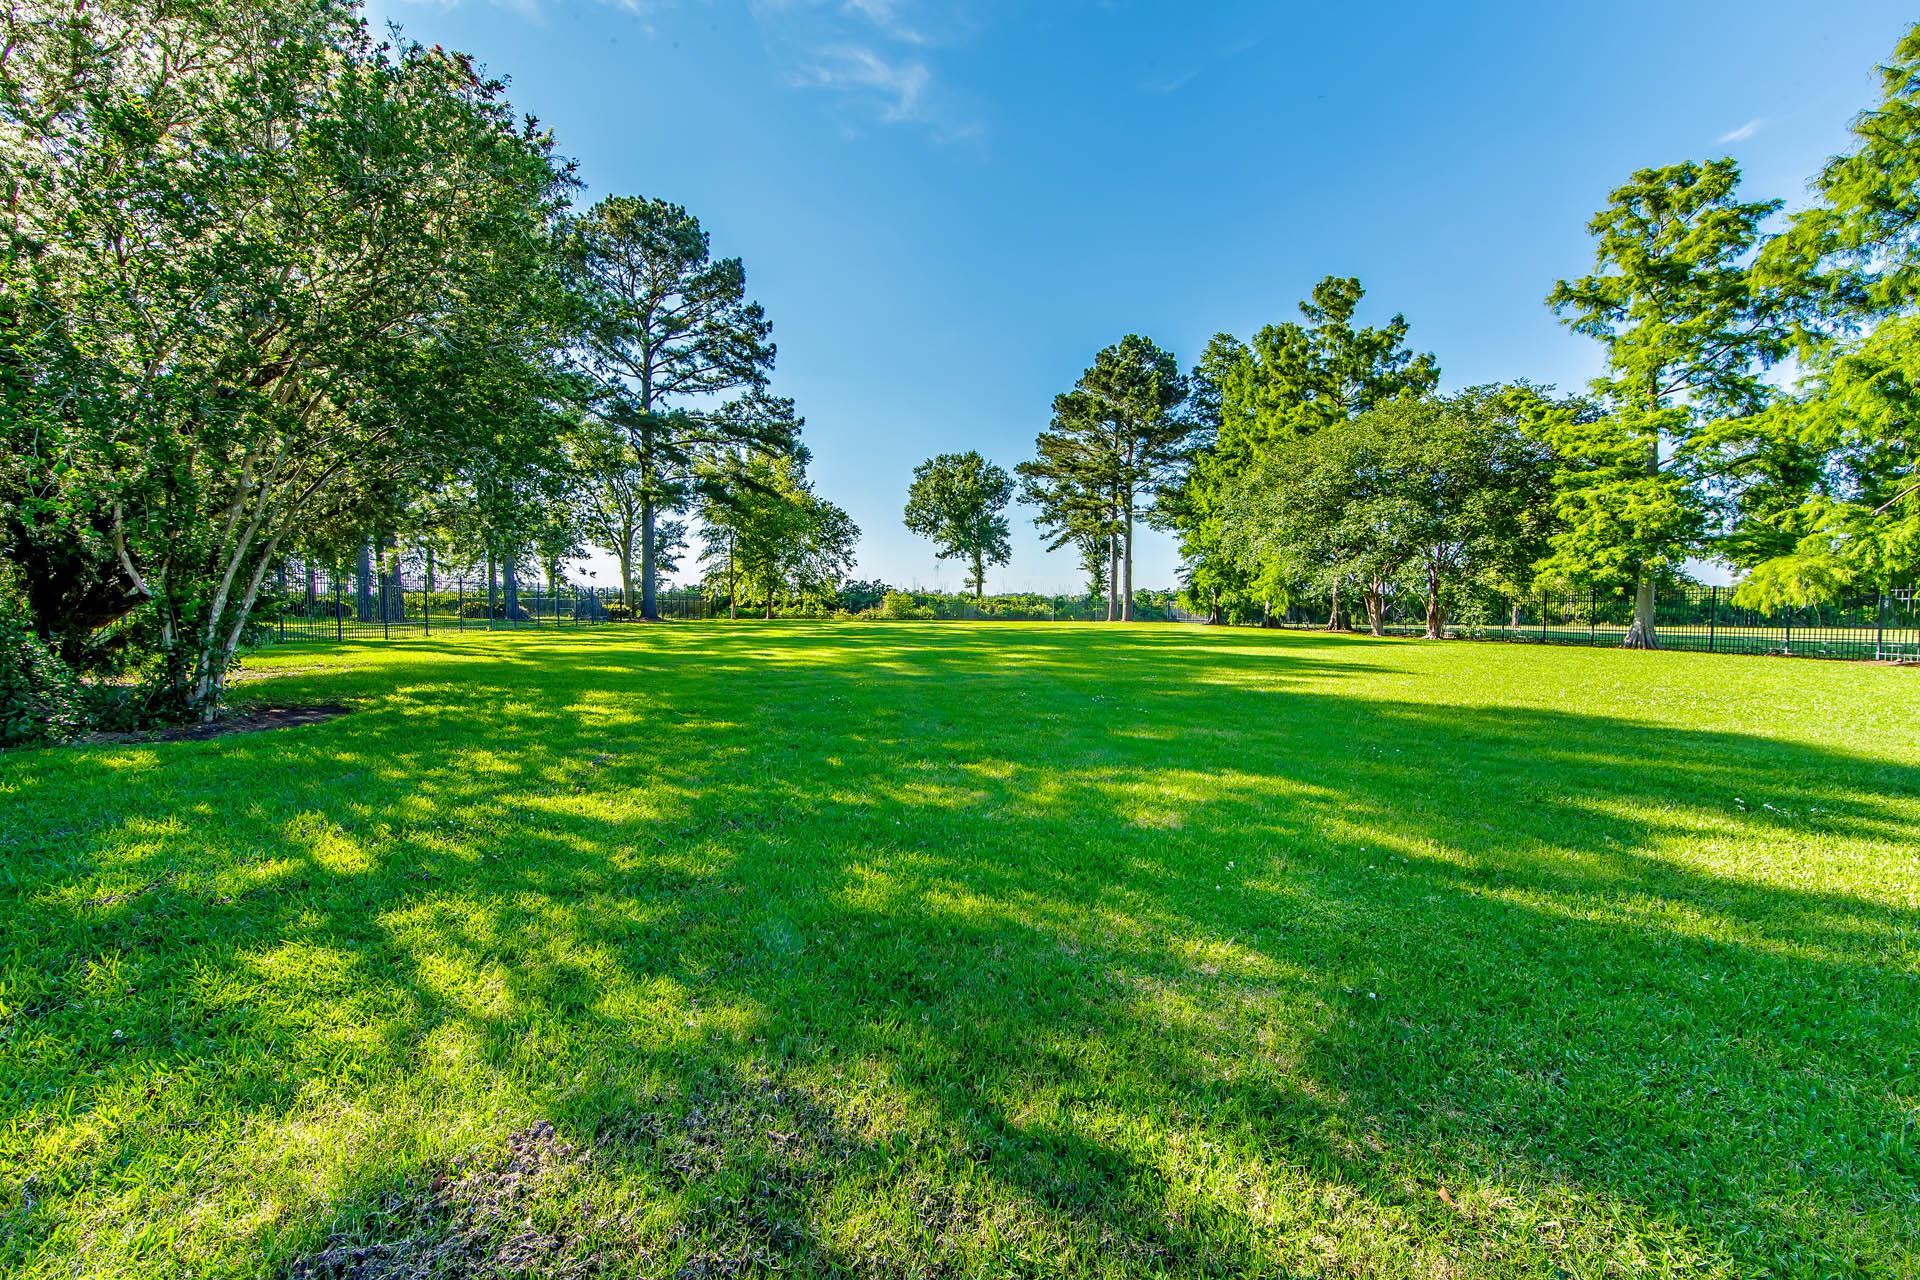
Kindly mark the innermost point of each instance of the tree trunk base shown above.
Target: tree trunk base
(1640, 637)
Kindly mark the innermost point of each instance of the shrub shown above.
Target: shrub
(41, 699)
(898, 605)
(617, 611)
(478, 609)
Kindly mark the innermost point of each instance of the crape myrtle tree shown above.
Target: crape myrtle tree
(959, 501)
(1257, 399)
(1688, 332)
(262, 274)
(1117, 438)
(669, 328)
(1831, 492)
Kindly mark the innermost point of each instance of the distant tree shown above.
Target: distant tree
(777, 537)
(861, 595)
(958, 501)
(1255, 400)
(668, 327)
(612, 508)
(1117, 438)
(1070, 482)
(1687, 334)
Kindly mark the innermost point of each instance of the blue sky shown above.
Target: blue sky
(947, 208)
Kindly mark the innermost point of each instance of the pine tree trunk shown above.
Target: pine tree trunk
(1126, 581)
(649, 602)
(1641, 635)
(1113, 576)
(393, 595)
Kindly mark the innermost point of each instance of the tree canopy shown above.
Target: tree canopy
(959, 500)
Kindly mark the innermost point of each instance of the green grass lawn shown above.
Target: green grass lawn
(889, 949)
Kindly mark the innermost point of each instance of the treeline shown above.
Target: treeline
(274, 289)
(1760, 406)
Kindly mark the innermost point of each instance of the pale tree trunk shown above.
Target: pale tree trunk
(1126, 581)
(979, 576)
(1436, 614)
(1333, 614)
(649, 601)
(1376, 603)
(1641, 635)
(733, 583)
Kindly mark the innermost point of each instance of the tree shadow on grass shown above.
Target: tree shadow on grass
(1191, 964)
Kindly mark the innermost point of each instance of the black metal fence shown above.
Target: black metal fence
(315, 602)
(1883, 626)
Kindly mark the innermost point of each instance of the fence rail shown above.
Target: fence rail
(1882, 626)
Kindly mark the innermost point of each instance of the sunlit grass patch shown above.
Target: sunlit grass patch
(1011, 949)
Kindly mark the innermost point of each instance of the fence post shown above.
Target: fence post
(1543, 617)
(1713, 615)
(1786, 622)
(1880, 627)
(1593, 616)
(283, 600)
(338, 629)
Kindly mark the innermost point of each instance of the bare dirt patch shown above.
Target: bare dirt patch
(473, 1220)
(248, 720)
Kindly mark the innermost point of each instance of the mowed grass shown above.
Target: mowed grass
(893, 949)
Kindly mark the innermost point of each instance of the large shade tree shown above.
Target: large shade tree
(263, 275)
(1835, 500)
(1255, 400)
(1688, 333)
(959, 502)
